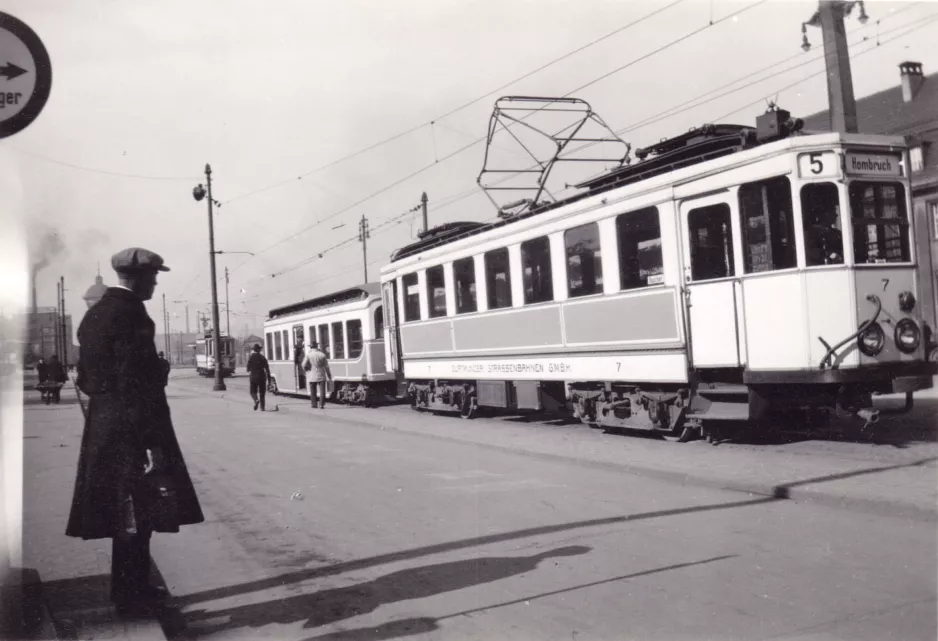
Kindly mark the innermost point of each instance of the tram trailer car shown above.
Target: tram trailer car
(733, 274)
(349, 328)
(204, 348)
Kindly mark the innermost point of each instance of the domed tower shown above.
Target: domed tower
(96, 291)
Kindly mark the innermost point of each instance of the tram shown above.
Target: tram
(349, 327)
(204, 349)
(730, 275)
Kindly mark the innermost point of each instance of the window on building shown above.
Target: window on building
(338, 336)
(270, 346)
(711, 242)
(324, 343)
(436, 292)
(355, 342)
(379, 322)
(880, 223)
(640, 261)
(820, 216)
(411, 298)
(917, 156)
(498, 278)
(278, 346)
(464, 278)
(765, 215)
(535, 271)
(584, 260)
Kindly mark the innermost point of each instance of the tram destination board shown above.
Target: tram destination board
(25, 75)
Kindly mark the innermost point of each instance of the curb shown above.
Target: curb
(791, 491)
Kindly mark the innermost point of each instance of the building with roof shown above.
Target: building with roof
(96, 291)
(909, 109)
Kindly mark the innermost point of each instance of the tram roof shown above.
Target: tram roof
(358, 292)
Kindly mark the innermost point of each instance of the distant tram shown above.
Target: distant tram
(204, 348)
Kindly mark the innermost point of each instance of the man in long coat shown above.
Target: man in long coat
(128, 432)
(259, 370)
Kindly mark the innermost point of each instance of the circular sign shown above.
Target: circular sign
(25, 75)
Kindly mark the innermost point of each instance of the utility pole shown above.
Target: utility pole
(842, 105)
(363, 235)
(58, 319)
(423, 202)
(198, 193)
(227, 307)
(187, 318)
(65, 339)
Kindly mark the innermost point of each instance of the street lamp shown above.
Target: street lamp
(199, 193)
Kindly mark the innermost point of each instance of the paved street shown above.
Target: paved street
(378, 524)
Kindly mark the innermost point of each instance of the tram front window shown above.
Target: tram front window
(880, 223)
(820, 213)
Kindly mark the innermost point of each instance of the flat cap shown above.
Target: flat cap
(136, 259)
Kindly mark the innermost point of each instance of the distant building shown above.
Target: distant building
(95, 292)
(42, 329)
(909, 109)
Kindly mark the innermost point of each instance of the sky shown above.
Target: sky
(273, 94)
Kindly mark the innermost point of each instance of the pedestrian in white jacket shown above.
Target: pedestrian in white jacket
(317, 364)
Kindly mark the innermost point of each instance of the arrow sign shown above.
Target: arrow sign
(11, 71)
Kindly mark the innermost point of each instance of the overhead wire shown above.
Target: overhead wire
(464, 105)
(483, 138)
(96, 170)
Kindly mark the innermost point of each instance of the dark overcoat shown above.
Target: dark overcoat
(120, 371)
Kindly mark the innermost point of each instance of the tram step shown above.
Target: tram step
(721, 411)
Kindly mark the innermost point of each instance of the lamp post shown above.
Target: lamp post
(199, 193)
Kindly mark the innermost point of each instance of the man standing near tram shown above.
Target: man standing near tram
(317, 364)
(129, 449)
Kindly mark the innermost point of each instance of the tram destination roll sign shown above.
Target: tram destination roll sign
(25, 75)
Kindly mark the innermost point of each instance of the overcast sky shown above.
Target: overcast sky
(145, 93)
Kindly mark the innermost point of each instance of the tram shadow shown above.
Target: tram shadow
(918, 426)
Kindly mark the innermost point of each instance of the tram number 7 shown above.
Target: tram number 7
(618, 366)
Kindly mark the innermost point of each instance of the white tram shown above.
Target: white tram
(349, 328)
(731, 274)
(204, 349)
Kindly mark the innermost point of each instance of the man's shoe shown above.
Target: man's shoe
(256, 403)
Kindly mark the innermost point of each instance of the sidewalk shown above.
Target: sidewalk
(898, 478)
(74, 575)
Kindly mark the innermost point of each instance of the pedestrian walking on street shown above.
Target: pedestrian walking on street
(132, 479)
(42, 371)
(259, 371)
(164, 367)
(57, 377)
(317, 365)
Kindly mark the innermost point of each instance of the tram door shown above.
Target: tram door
(710, 278)
(392, 341)
(299, 373)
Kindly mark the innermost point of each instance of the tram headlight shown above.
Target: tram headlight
(906, 301)
(872, 339)
(908, 335)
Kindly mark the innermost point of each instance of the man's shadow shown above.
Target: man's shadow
(329, 606)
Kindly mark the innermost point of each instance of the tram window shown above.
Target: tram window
(379, 323)
(820, 216)
(584, 260)
(640, 262)
(498, 278)
(464, 277)
(354, 330)
(270, 346)
(338, 335)
(880, 223)
(765, 211)
(711, 242)
(324, 340)
(535, 271)
(278, 347)
(286, 346)
(411, 298)
(436, 292)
